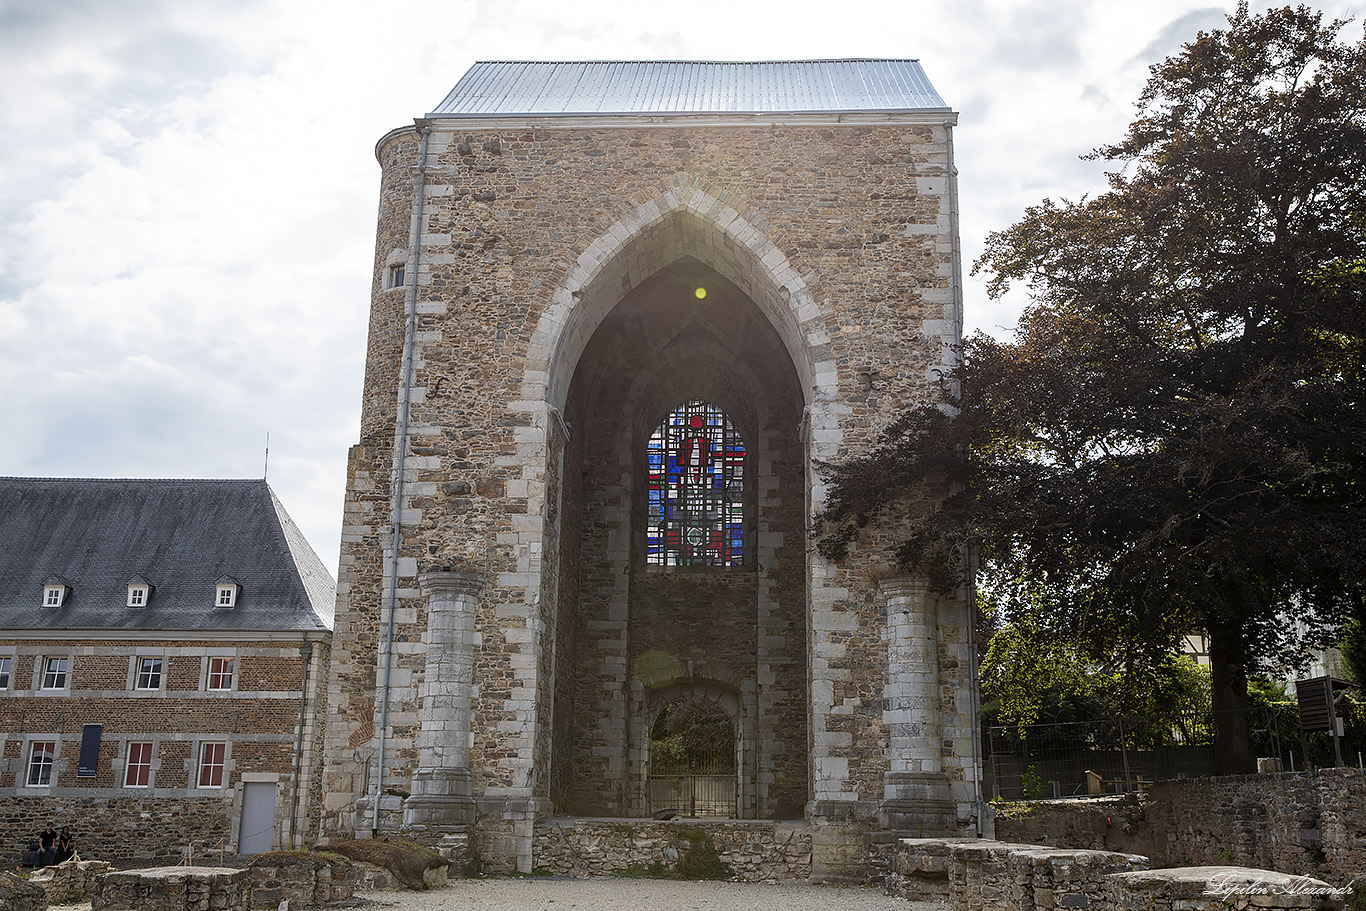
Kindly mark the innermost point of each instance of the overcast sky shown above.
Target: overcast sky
(188, 189)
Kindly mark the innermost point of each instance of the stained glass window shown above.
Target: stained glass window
(696, 464)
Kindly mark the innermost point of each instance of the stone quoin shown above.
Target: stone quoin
(620, 314)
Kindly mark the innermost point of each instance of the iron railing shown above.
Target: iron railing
(1119, 755)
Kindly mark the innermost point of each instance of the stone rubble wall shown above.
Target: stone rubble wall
(755, 851)
(172, 889)
(996, 876)
(1305, 823)
(304, 879)
(128, 831)
(20, 895)
(70, 881)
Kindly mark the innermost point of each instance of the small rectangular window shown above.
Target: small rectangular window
(54, 673)
(211, 756)
(52, 596)
(220, 673)
(5, 665)
(137, 595)
(149, 674)
(397, 276)
(40, 758)
(227, 595)
(138, 772)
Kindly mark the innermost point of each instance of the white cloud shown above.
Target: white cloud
(188, 190)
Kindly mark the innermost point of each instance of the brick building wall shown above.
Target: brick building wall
(131, 820)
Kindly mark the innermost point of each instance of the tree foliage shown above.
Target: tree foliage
(1175, 437)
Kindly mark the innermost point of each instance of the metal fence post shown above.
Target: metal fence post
(1124, 751)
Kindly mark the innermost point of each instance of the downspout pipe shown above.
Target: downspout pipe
(970, 550)
(306, 653)
(404, 406)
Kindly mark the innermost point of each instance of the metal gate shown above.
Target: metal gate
(697, 783)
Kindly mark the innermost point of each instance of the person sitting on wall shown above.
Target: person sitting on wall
(65, 847)
(47, 846)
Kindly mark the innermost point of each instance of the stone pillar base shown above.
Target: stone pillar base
(441, 799)
(918, 802)
(839, 839)
(504, 835)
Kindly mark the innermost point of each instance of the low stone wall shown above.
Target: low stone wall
(69, 881)
(1218, 888)
(304, 879)
(996, 876)
(755, 850)
(1048, 878)
(172, 889)
(126, 831)
(1306, 823)
(20, 895)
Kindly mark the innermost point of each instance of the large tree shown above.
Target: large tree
(1175, 437)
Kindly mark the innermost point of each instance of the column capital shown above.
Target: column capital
(450, 582)
(903, 586)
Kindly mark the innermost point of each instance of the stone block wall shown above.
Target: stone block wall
(127, 831)
(172, 889)
(70, 881)
(20, 895)
(304, 879)
(755, 851)
(1307, 823)
(995, 876)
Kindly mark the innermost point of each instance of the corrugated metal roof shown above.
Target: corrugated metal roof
(533, 88)
(181, 536)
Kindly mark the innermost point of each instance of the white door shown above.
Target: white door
(257, 835)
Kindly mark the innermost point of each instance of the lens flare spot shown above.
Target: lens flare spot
(701, 293)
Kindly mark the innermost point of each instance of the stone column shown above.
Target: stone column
(442, 795)
(915, 788)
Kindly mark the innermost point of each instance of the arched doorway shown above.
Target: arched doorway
(694, 758)
(681, 549)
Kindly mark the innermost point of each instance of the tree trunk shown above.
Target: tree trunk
(1228, 684)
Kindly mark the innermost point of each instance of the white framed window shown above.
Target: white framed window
(220, 673)
(212, 758)
(137, 595)
(137, 772)
(398, 275)
(54, 673)
(225, 593)
(6, 666)
(54, 595)
(41, 755)
(148, 674)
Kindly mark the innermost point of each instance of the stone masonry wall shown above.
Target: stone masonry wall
(127, 831)
(1307, 823)
(840, 234)
(997, 876)
(754, 851)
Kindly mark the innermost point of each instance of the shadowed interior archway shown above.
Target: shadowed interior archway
(627, 628)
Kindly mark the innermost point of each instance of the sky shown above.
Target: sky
(188, 188)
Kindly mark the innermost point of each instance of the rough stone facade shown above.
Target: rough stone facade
(753, 850)
(999, 876)
(554, 324)
(1306, 823)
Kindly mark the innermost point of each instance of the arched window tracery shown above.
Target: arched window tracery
(696, 463)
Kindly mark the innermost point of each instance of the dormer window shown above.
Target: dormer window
(226, 592)
(139, 592)
(55, 590)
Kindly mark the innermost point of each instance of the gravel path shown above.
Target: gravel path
(611, 894)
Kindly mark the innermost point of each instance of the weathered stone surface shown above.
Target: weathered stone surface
(19, 895)
(69, 881)
(755, 851)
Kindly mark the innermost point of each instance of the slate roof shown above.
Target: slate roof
(181, 536)
(544, 88)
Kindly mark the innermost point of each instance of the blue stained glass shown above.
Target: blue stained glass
(696, 461)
